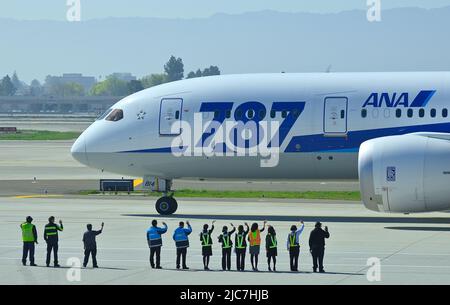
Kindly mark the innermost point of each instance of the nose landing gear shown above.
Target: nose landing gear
(166, 205)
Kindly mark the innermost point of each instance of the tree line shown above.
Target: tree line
(111, 86)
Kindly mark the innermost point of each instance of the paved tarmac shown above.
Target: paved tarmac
(413, 249)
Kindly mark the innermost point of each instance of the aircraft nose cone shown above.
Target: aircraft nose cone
(78, 150)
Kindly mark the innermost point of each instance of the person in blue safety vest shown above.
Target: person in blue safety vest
(154, 241)
(180, 236)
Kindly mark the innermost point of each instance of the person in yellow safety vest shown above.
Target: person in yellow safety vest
(29, 238)
(227, 244)
(293, 245)
(206, 240)
(240, 247)
(51, 237)
(255, 244)
(271, 248)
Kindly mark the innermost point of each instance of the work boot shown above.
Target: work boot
(158, 267)
(33, 265)
(185, 268)
(57, 266)
(322, 271)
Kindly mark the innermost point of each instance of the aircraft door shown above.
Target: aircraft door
(335, 116)
(170, 116)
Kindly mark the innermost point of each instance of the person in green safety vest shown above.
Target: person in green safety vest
(51, 238)
(206, 240)
(227, 245)
(271, 247)
(29, 238)
(240, 246)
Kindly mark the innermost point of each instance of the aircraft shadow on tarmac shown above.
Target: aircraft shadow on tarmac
(337, 219)
(428, 229)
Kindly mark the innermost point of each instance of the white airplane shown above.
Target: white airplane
(392, 130)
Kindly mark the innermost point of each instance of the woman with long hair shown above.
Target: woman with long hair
(255, 244)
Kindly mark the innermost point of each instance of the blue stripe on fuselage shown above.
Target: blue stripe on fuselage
(321, 143)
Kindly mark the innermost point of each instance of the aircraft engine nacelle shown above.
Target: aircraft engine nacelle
(406, 174)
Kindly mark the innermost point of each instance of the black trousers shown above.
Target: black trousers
(155, 251)
(240, 259)
(294, 253)
(90, 252)
(28, 250)
(181, 255)
(52, 246)
(226, 259)
(318, 253)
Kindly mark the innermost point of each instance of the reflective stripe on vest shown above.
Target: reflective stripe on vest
(206, 241)
(255, 238)
(51, 230)
(292, 239)
(27, 232)
(274, 242)
(226, 242)
(240, 241)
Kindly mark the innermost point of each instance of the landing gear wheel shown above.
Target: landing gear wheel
(166, 205)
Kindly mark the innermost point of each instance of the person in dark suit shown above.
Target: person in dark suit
(317, 246)
(90, 245)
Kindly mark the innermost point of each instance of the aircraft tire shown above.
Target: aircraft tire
(166, 205)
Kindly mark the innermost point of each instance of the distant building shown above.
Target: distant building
(127, 77)
(86, 81)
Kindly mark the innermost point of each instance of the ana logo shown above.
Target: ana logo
(392, 100)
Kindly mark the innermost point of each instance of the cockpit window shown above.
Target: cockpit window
(102, 116)
(115, 115)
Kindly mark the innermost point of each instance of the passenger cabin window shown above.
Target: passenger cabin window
(398, 113)
(250, 114)
(433, 113)
(284, 114)
(364, 113)
(115, 115)
(410, 113)
(421, 112)
(444, 112)
(272, 114)
(177, 115)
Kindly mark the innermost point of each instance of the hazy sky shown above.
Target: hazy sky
(56, 9)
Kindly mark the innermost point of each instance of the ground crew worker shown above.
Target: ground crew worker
(180, 236)
(90, 245)
(293, 245)
(227, 245)
(271, 248)
(29, 238)
(154, 241)
(51, 238)
(241, 247)
(317, 246)
(206, 240)
(255, 244)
